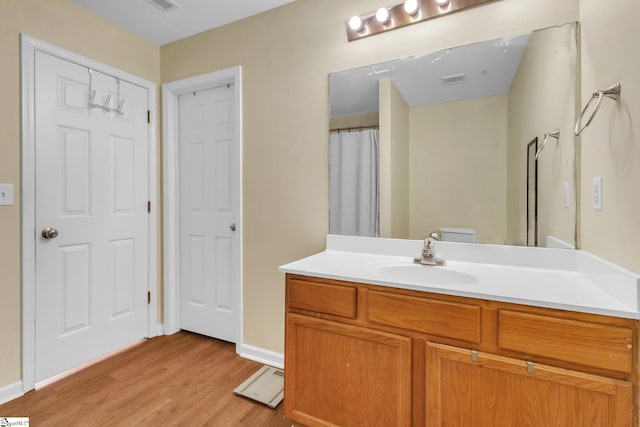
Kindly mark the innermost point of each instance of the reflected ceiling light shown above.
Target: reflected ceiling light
(382, 15)
(442, 3)
(356, 24)
(411, 7)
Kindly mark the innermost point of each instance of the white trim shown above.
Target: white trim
(153, 194)
(170, 174)
(261, 355)
(10, 392)
(28, 47)
(160, 330)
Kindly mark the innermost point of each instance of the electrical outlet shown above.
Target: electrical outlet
(597, 193)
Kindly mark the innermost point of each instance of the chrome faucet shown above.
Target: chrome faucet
(429, 256)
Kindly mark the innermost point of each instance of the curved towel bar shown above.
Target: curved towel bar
(553, 134)
(612, 92)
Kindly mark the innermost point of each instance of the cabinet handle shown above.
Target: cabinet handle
(530, 366)
(474, 355)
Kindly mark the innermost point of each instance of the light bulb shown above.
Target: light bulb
(442, 3)
(382, 15)
(356, 24)
(411, 7)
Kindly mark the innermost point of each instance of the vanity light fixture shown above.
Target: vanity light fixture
(356, 24)
(403, 14)
(382, 15)
(411, 7)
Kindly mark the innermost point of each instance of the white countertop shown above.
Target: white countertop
(554, 278)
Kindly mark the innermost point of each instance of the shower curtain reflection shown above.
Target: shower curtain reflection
(353, 180)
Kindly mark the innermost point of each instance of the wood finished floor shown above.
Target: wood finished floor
(184, 379)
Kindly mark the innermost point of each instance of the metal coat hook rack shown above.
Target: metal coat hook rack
(612, 92)
(105, 107)
(553, 134)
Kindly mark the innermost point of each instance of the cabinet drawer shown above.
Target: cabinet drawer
(322, 297)
(586, 343)
(442, 318)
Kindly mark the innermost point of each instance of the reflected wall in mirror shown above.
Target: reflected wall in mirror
(453, 129)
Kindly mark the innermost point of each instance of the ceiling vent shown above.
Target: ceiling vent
(164, 5)
(453, 79)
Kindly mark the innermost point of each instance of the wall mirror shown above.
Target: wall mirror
(440, 141)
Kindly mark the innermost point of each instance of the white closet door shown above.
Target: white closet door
(208, 240)
(91, 187)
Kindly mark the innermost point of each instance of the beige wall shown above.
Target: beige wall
(540, 100)
(69, 26)
(610, 146)
(458, 167)
(394, 162)
(286, 55)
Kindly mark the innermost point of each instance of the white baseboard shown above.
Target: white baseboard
(10, 392)
(261, 355)
(159, 330)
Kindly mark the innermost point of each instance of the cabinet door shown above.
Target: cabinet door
(499, 391)
(343, 375)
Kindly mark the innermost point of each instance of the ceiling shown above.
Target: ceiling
(191, 17)
(472, 71)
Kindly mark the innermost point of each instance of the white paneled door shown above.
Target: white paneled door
(92, 191)
(208, 152)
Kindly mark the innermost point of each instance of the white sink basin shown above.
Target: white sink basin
(425, 274)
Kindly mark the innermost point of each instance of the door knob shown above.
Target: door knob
(232, 227)
(49, 233)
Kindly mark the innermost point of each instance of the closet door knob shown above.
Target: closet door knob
(232, 227)
(49, 233)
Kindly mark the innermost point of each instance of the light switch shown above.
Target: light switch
(6, 194)
(597, 193)
(565, 194)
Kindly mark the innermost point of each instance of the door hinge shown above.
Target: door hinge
(148, 206)
(148, 297)
(148, 116)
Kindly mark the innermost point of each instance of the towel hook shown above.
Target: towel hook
(106, 103)
(553, 134)
(106, 108)
(612, 92)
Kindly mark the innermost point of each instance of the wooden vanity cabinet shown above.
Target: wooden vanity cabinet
(344, 375)
(338, 373)
(465, 389)
(364, 355)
